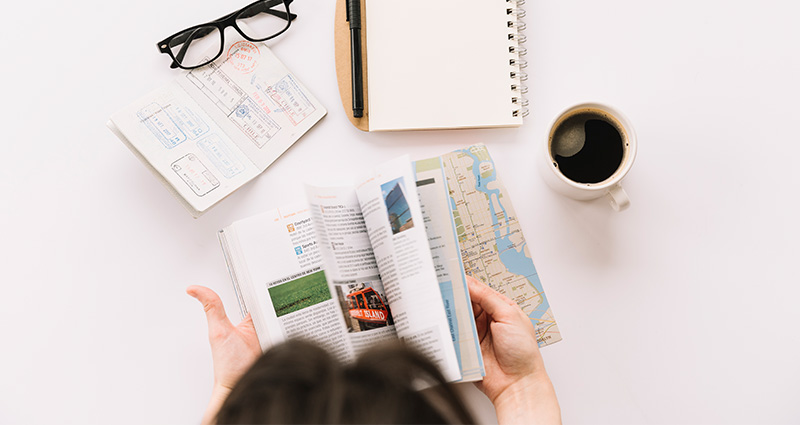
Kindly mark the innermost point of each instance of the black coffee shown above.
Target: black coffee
(588, 146)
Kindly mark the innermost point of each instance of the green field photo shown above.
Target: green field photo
(299, 293)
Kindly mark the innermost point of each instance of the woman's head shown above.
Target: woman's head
(298, 382)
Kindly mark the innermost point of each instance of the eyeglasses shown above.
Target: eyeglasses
(258, 21)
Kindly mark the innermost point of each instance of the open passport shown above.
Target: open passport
(217, 127)
(387, 258)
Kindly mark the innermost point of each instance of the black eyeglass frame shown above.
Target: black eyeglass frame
(221, 24)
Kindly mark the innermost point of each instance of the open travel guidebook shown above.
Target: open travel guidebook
(387, 258)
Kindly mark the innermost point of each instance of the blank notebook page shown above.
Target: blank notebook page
(439, 64)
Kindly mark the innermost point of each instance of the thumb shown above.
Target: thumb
(247, 324)
(215, 312)
(499, 307)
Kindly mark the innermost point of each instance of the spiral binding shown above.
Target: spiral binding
(516, 52)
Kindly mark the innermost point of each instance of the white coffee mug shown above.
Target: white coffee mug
(609, 187)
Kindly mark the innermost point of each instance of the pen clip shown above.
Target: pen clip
(347, 9)
(354, 13)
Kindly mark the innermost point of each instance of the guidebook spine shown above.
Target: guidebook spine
(226, 251)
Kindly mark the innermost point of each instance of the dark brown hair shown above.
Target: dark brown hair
(298, 382)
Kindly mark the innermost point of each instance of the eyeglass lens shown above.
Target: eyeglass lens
(198, 46)
(262, 21)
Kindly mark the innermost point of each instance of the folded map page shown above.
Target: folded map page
(490, 238)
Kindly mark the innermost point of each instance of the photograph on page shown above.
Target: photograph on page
(394, 198)
(364, 304)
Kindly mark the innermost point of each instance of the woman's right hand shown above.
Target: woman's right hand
(516, 381)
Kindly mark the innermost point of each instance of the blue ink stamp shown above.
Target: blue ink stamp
(220, 155)
(290, 98)
(161, 124)
(255, 123)
(187, 121)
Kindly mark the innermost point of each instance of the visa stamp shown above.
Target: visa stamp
(217, 86)
(196, 175)
(189, 123)
(243, 56)
(291, 99)
(161, 124)
(220, 155)
(254, 122)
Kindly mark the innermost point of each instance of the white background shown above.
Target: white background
(683, 309)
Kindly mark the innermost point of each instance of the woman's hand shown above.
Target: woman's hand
(516, 381)
(233, 348)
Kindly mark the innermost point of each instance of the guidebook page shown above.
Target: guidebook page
(394, 222)
(286, 290)
(439, 226)
(350, 265)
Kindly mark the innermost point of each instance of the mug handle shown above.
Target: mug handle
(618, 198)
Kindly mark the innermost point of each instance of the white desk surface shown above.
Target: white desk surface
(683, 309)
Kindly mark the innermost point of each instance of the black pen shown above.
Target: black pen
(357, 79)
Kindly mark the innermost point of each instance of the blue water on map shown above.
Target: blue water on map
(515, 261)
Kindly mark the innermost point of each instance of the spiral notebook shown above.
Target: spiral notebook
(445, 64)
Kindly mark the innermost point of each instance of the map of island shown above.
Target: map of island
(493, 248)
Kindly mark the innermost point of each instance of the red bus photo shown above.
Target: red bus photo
(364, 306)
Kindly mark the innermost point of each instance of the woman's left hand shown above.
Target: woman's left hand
(233, 348)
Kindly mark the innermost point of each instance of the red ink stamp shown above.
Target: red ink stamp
(243, 56)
